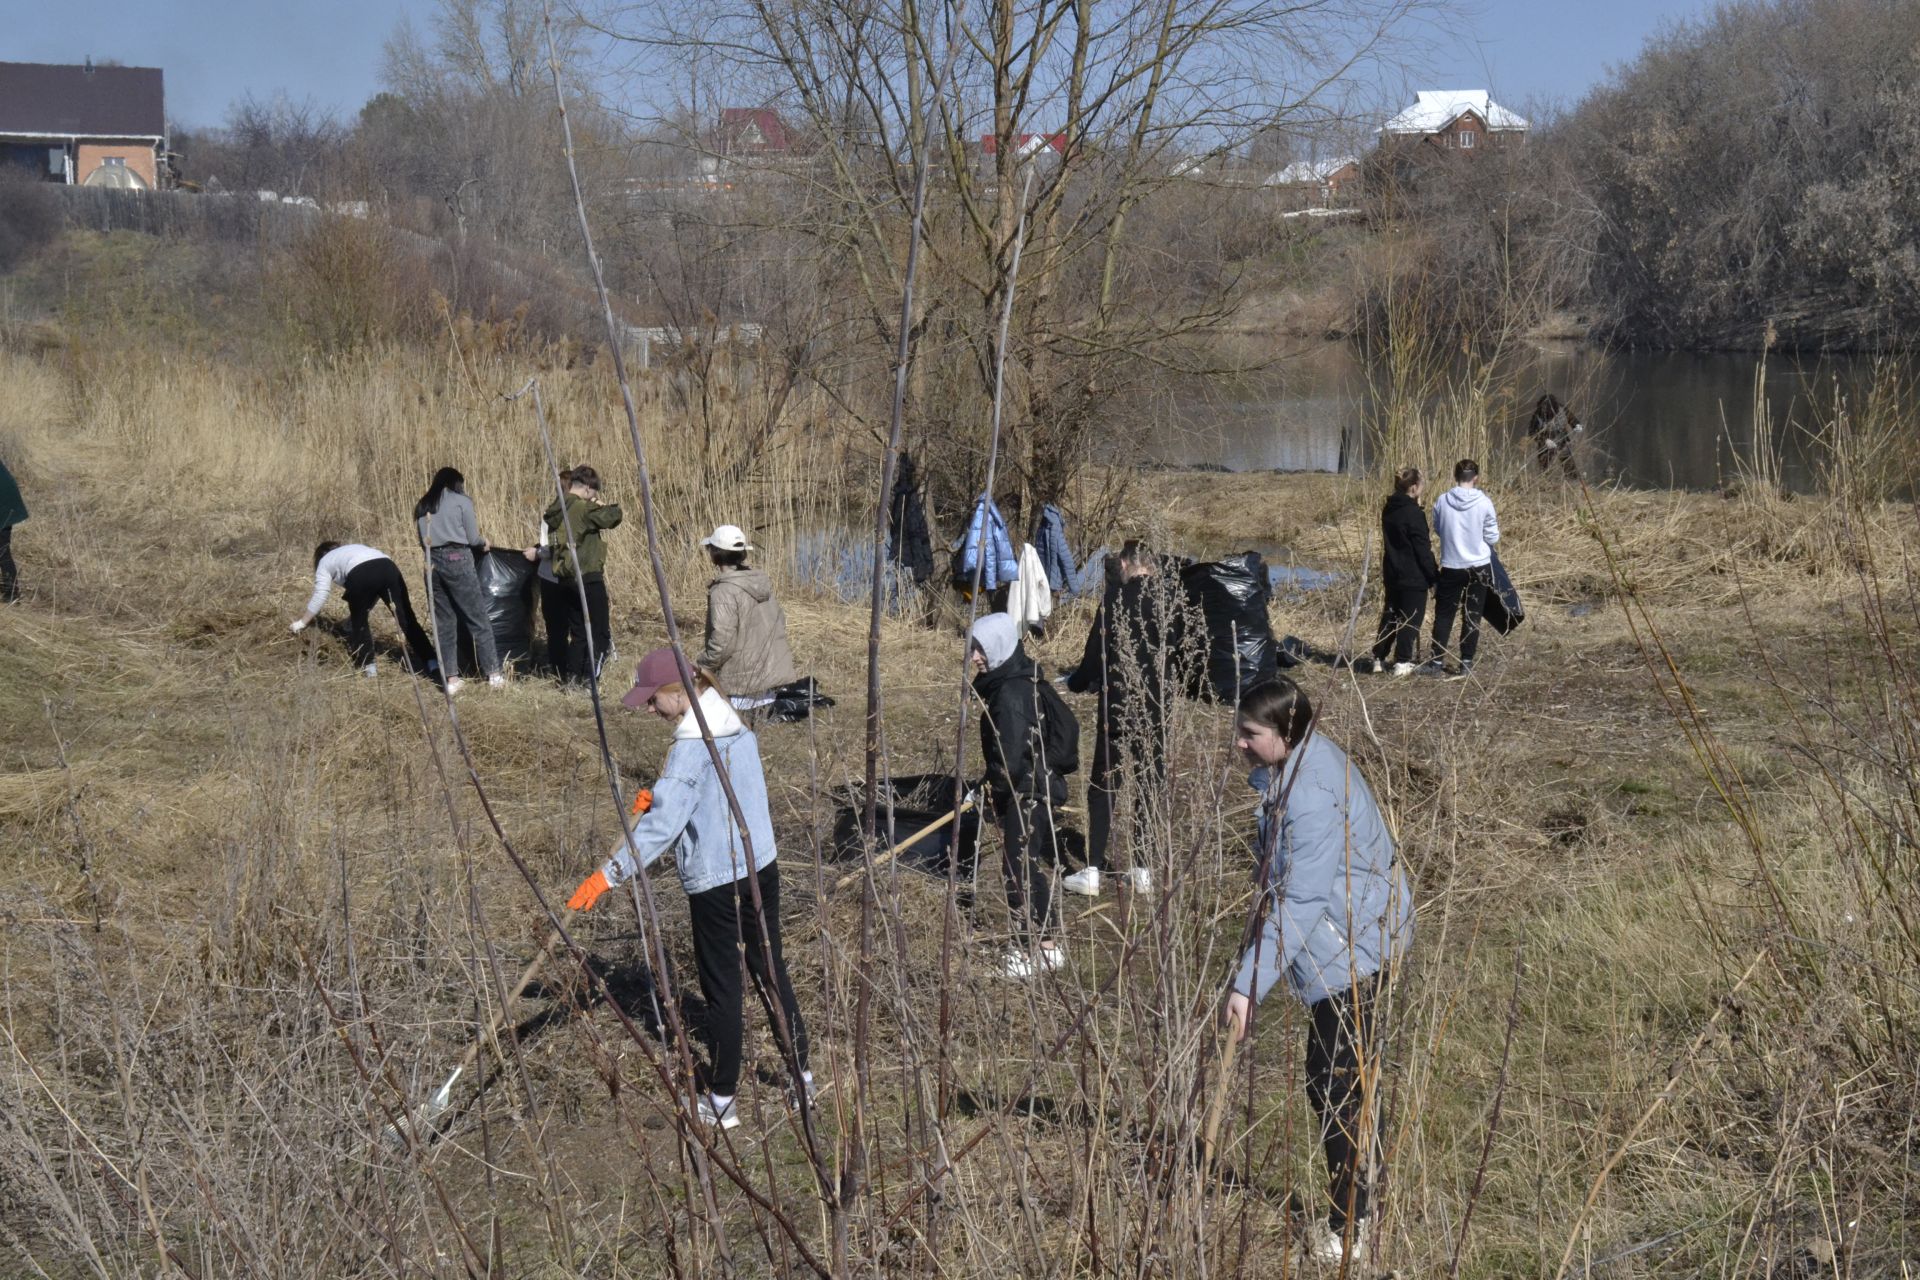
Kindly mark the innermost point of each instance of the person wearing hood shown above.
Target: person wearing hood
(1335, 913)
(450, 532)
(1022, 785)
(731, 877)
(1407, 571)
(1468, 528)
(579, 567)
(746, 646)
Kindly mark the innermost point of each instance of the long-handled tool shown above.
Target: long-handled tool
(424, 1116)
(887, 857)
(422, 1119)
(1218, 1110)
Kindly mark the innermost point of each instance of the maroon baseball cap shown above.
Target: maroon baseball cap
(655, 670)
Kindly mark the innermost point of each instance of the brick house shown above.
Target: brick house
(91, 125)
(1457, 120)
(1324, 184)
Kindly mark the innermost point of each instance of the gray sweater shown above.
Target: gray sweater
(453, 525)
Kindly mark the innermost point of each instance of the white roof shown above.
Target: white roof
(1302, 172)
(1435, 109)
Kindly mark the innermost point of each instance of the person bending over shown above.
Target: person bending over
(367, 577)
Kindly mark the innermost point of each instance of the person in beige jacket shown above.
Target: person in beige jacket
(746, 646)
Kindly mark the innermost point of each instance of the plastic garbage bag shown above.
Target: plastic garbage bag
(796, 701)
(1503, 611)
(506, 584)
(1230, 596)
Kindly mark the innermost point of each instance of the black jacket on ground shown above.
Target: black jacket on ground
(1010, 733)
(1126, 651)
(1407, 546)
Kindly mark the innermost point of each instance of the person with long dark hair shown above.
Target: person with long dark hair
(1334, 915)
(367, 577)
(451, 534)
(1407, 572)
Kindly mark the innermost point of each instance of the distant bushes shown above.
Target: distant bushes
(1757, 173)
(29, 219)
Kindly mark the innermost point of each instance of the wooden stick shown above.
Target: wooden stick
(1218, 1110)
(887, 857)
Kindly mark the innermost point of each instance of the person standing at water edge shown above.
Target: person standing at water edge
(368, 577)
(1407, 573)
(13, 509)
(690, 811)
(581, 570)
(746, 645)
(1336, 912)
(1468, 528)
(451, 534)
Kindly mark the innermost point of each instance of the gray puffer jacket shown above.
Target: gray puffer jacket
(1341, 908)
(746, 647)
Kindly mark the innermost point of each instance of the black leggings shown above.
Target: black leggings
(368, 584)
(596, 621)
(559, 621)
(1342, 1064)
(726, 931)
(1134, 762)
(9, 574)
(1027, 848)
(1400, 618)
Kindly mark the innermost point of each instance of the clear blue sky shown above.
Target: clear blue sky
(217, 51)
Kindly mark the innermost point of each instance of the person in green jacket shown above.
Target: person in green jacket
(13, 509)
(580, 565)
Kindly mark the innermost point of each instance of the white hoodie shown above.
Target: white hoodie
(1463, 517)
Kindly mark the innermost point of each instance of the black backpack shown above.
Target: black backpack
(1059, 727)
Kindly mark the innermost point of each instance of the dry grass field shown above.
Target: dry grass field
(1659, 1020)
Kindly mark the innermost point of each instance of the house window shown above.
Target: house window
(1466, 141)
(115, 161)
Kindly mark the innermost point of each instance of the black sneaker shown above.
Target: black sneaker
(1433, 667)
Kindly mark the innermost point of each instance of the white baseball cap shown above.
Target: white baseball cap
(727, 537)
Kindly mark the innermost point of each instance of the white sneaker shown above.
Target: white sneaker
(1328, 1246)
(713, 1112)
(496, 681)
(1027, 964)
(454, 685)
(1403, 669)
(1142, 878)
(1085, 882)
(371, 670)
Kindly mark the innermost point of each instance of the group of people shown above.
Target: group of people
(571, 560)
(1334, 916)
(1468, 528)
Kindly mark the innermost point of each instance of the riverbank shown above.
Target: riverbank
(254, 904)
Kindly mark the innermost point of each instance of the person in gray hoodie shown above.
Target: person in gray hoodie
(746, 646)
(1468, 528)
(450, 532)
(731, 877)
(1336, 914)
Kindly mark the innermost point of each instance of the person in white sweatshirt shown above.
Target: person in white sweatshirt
(368, 577)
(1468, 528)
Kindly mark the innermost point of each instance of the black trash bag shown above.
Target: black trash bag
(506, 584)
(1230, 596)
(1503, 611)
(796, 701)
(918, 799)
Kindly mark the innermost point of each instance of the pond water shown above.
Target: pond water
(1653, 419)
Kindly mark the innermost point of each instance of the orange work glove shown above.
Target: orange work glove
(589, 892)
(642, 801)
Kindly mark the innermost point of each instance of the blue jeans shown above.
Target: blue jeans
(455, 587)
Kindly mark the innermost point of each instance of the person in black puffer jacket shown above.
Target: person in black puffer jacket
(1124, 662)
(1024, 790)
(1409, 573)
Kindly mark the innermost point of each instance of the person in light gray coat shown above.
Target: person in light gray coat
(734, 899)
(1464, 518)
(746, 646)
(1336, 915)
(450, 532)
